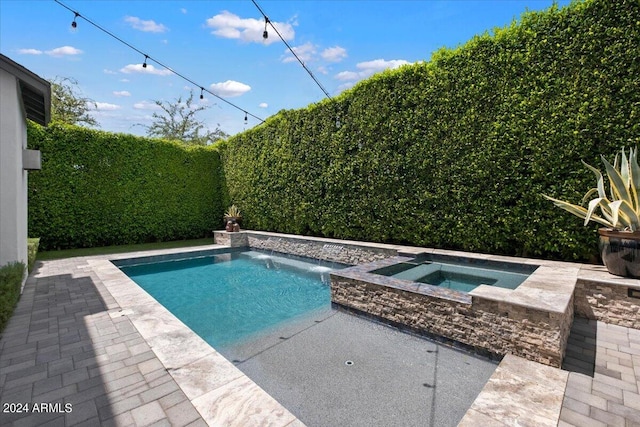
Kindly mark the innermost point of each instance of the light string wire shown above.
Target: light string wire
(268, 21)
(148, 57)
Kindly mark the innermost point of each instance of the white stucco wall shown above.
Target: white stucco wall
(13, 179)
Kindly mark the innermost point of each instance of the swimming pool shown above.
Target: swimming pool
(327, 367)
(229, 297)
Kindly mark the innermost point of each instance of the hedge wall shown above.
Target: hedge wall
(97, 188)
(455, 152)
(10, 282)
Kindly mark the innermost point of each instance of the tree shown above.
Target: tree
(178, 121)
(67, 105)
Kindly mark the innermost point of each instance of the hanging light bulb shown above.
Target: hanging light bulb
(144, 64)
(201, 92)
(74, 24)
(246, 119)
(265, 34)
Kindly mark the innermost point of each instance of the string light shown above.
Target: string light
(267, 21)
(147, 57)
(245, 118)
(74, 24)
(265, 35)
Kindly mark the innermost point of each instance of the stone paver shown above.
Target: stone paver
(66, 356)
(602, 388)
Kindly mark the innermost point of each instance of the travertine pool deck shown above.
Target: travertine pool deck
(84, 334)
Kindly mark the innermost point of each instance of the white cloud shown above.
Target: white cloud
(64, 51)
(150, 69)
(124, 80)
(347, 75)
(121, 93)
(59, 51)
(30, 52)
(366, 69)
(146, 105)
(231, 26)
(183, 10)
(104, 106)
(263, 105)
(146, 26)
(106, 71)
(334, 54)
(230, 88)
(305, 52)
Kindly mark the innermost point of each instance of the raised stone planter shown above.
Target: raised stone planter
(608, 298)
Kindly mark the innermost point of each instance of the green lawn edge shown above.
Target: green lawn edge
(107, 250)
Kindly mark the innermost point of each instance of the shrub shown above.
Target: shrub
(97, 188)
(32, 247)
(10, 282)
(454, 152)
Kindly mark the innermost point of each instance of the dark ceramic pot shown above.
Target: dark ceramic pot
(620, 251)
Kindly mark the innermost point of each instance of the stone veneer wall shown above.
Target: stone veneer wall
(318, 249)
(496, 327)
(607, 302)
(492, 326)
(232, 239)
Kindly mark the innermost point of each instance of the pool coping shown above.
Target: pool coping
(219, 391)
(226, 396)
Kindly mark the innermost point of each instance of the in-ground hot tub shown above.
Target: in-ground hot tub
(497, 305)
(458, 273)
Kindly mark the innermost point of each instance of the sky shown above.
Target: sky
(219, 46)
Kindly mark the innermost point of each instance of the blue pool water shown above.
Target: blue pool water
(226, 298)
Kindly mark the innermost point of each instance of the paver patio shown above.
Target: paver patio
(71, 341)
(604, 365)
(67, 343)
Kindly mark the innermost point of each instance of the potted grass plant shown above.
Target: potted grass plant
(232, 218)
(619, 239)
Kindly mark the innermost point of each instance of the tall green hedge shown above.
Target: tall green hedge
(97, 188)
(455, 152)
(10, 282)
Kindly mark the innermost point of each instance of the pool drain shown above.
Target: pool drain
(349, 362)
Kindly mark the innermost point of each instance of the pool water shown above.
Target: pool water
(227, 298)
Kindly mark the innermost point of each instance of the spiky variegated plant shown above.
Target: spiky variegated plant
(233, 212)
(621, 210)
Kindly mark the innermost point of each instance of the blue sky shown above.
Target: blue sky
(219, 45)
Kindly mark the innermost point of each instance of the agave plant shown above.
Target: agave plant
(233, 213)
(621, 210)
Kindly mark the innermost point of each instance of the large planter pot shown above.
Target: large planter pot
(620, 251)
(233, 223)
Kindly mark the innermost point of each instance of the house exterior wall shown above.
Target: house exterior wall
(13, 179)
